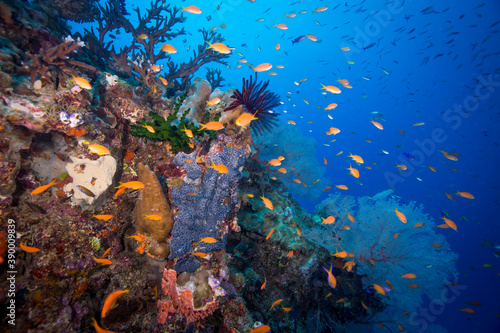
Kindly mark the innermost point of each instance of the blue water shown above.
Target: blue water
(409, 67)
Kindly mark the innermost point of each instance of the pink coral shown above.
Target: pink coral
(181, 303)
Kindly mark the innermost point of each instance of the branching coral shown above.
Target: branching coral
(215, 78)
(157, 24)
(54, 63)
(201, 56)
(257, 99)
(154, 28)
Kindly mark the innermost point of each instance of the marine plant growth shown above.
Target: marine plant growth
(169, 130)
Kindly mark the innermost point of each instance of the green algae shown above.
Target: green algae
(168, 130)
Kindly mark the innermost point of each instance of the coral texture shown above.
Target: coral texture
(152, 201)
(181, 301)
(204, 207)
(95, 176)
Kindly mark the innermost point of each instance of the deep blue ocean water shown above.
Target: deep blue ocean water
(411, 61)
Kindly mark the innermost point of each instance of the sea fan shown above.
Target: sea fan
(256, 99)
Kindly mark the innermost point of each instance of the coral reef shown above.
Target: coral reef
(180, 297)
(384, 249)
(158, 25)
(290, 266)
(95, 176)
(171, 129)
(204, 200)
(152, 202)
(51, 64)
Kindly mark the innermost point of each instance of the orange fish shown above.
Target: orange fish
(449, 196)
(327, 188)
(400, 328)
(377, 125)
(98, 149)
(342, 254)
(286, 309)
(281, 170)
(263, 285)
(134, 185)
(103, 217)
(332, 281)
(448, 156)
(466, 195)
(267, 202)
(467, 310)
(311, 37)
(213, 126)
(169, 49)
(331, 89)
(102, 261)
(219, 47)
(277, 47)
(400, 215)
(320, 9)
(378, 289)
(269, 235)
(28, 249)
(350, 217)
(408, 276)
(43, 188)
(83, 83)
(281, 26)
(111, 301)
(199, 254)
(396, 235)
(291, 122)
(209, 240)
(263, 67)
(364, 306)
(389, 284)
(342, 300)
(450, 223)
(418, 225)
(245, 119)
(328, 220)
(188, 132)
(341, 187)
(154, 217)
(357, 158)
(260, 329)
(120, 191)
(220, 168)
(332, 130)
(353, 172)
(414, 286)
(164, 81)
(433, 169)
(331, 106)
(191, 9)
(99, 329)
(275, 303)
(437, 245)
(290, 254)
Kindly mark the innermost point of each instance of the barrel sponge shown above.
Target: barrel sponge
(152, 201)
